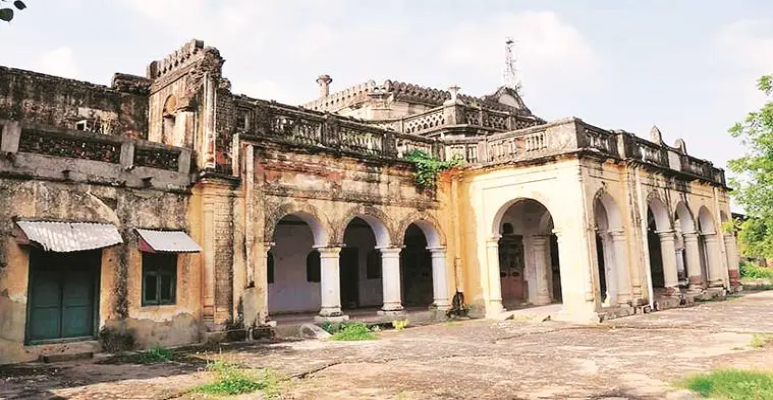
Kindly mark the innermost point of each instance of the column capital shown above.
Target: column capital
(328, 252)
(387, 252)
(493, 241)
(728, 236)
(440, 250)
(666, 235)
(690, 235)
(710, 237)
(540, 240)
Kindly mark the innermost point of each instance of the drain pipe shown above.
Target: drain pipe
(645, 239)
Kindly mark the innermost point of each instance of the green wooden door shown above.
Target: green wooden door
(63, 295)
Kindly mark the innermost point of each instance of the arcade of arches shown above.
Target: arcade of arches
(305, 273)
(683, 257)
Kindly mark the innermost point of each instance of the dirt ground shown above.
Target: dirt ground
(631, 358)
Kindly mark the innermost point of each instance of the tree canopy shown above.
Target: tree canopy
(753, 180)
(8, 9)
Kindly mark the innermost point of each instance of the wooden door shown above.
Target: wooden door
(511, 268)
(63, 295)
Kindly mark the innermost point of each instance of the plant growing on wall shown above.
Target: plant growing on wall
(7, 12)
(428, 168)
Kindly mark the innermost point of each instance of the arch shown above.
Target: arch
(706, 221)
(614, 219)
(723, 217)
(375, 218)
(500, 214)
(428, 225)
(307, 214)
(685, 218)
(660, 212)
(170, 105)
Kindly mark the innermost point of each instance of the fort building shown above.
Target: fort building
(165, 209)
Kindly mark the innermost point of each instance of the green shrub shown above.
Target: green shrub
(230, 380)
(156, 354)
(353, 331)
(754, 271)
(732, 384)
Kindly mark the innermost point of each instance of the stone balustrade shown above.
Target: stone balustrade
(573, 135)
(71, 154)
(327, 131)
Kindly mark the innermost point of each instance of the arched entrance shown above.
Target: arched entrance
(525, 253)
(614, 284)
(662, 253)
(360, 265)
(709, 246)
(687, 251)
(423, 267)
(294, 265)
(416, 269)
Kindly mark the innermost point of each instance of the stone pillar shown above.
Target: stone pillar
(541, 249)
(693, 256)
(715, 264)
(330, 285)
(621, 267)
(494, 306)
(390, 278)
(733, 271)
(668, 254)
(439, 278)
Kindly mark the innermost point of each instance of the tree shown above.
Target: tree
(753, 180)
(7, 12)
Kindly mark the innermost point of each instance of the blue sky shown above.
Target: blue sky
(687, 66)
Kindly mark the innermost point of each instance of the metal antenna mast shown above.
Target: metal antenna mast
(510, 75)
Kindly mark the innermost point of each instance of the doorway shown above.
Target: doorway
(63, 295)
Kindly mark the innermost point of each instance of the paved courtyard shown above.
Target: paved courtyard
(634, 358)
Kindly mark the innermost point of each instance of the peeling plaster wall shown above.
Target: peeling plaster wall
(48, 100)
(120, 280)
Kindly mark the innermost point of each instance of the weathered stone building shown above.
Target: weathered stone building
(165, 208)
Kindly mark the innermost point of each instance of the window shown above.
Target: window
(373, 267)
(313, 267)
(159, 278)
(270, 266)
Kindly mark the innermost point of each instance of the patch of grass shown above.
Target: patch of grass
(230, 380)
(354, 331)
(156, 354)
(760, 340)
(732, 384)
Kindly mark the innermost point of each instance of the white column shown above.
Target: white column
(621, 267)
(494, 306)
(733, 271)
(693, 256)
(680, 264)
(439, 278)
(330, 285)
(668, 255)
(541, 251)
(715, 264)
(390, 278)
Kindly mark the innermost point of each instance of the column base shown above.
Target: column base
(392, 313)
(623, 299)
(716, 283)
(494, 308)
(441, 305)
(580, 315)
(331, 318)
(672, 291)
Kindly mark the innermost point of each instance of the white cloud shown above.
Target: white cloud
(60, 62)
(745, 47)
(546, 47)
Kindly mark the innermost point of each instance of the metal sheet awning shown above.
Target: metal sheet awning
(65, 237)
(155, 241)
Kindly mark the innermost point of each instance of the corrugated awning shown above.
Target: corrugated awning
(65, 237)
(154, 241)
